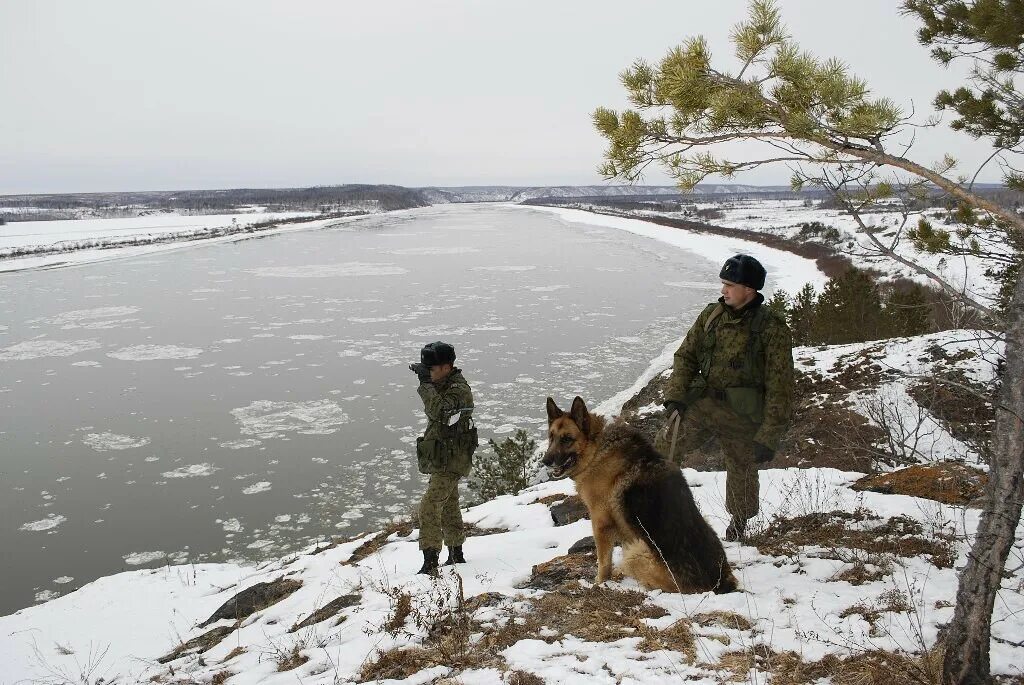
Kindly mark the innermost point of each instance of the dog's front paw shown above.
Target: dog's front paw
(602, 576)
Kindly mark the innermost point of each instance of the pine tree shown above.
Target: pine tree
(801, 315)
(849, 309)
(506, 470)
(822, 122)
(907, 312)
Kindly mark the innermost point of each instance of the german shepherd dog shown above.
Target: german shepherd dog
(637, 497)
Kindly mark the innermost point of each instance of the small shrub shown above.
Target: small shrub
(506, 469)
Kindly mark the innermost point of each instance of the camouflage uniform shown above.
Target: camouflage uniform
(445, 453)
(737, 386)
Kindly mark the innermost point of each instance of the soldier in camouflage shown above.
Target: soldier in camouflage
(444, 452)
(732, 379)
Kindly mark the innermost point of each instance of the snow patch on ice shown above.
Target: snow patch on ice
(256, 488)
(101, 442)
(505, 268)
(100, 317)
(268, 419)
(48, 523)
(35, 349)
(330, 270)
(191, 471)
(144, 353)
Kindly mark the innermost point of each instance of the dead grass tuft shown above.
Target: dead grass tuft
(677, 637)
(291, 659)
(397, 664)
(865, 668)
(402, 611)
(400, 528)
(835, 530)
(948, 482)
(524, 678)
(232, 654)
(220, 677)
(723, 619)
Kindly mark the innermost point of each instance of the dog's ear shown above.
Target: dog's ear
(580, 415)
(553, 411)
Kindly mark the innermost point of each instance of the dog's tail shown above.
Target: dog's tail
(651, 571)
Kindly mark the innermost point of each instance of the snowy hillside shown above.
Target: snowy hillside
(836, 581)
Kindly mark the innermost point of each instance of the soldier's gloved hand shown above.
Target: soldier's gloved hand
(674, 406)
(762, 453)
(422, 371)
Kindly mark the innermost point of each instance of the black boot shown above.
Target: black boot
(430, 561)
(455, 556)
(737, 530)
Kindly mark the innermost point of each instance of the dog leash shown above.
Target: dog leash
(675, 433)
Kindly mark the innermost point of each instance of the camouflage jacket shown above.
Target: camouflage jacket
(755, 379)
(445, 445)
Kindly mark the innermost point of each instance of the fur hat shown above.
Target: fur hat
(745, 270)
(437, 353)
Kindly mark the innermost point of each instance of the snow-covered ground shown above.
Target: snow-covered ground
(786, 270)
(83, 241)
(67, 233)
(119, 626)
(786, 218)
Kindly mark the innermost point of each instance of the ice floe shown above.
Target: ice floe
(48, 523)
(256, 488)
(268, 419)
(330, 270)
(191, 471)
(144, 353)
(101, 442)
(34, 349)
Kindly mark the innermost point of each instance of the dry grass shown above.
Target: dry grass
(836, 531)
(232, 654)
(723, 619)
(397, 664)
(220, 677)
(947, 482)
(677, 637)
(400, 528)
(401, 612)
(865, 668)
(524, 678)
(291, 659)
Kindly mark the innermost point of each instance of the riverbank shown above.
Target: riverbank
(839, 577)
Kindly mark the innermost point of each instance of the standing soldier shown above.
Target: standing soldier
(732, 378)
(445, 452)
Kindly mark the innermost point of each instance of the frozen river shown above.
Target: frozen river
(240, 400)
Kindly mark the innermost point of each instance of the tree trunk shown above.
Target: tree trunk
(969, 635)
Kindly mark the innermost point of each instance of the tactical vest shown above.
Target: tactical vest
(452, 450)
(747, 399)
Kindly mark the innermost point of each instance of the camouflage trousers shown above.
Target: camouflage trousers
(440, 516)
(708, 419)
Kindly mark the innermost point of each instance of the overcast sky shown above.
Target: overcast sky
(133, 95)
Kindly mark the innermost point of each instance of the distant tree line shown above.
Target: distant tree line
(316, 199)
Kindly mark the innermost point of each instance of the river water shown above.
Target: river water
(240, 400)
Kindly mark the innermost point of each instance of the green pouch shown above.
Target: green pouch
(747, 402)
(428, 456)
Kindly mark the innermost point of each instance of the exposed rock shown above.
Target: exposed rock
(327, 611)
(253, 599)
(199, 644)
(549, 575)
(569, 510)
(583, 545)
